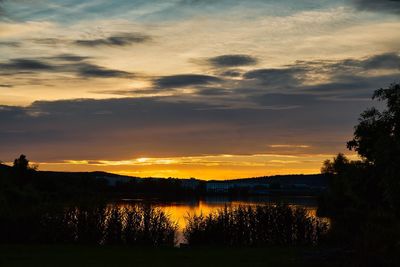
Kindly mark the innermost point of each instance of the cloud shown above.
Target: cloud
(93, 71)
(50, 41)
(213, 92)
(350, 86)
(69, 57)
(64, 63)
(57, 130)
(383, 61)
(391, 6)
(129, 92)
(10, 44)
(292, 86)
(184, 80)
(6, 85)
(357, 74)
(308, 82)
(26, 64)
(232, 61)
(231, 73)
(286, 101)
(1, 8)
(117, 40)
(291, 76)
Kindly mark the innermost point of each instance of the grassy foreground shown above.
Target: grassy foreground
(63, 255)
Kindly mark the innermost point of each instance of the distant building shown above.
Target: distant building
(226, 186)
(219, 187)
(114, 180)
(191, 183)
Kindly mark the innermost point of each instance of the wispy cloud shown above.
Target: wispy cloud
(10, 43)
(277, 77)
(115, 40)
(184, 80)
(232, 61)
(289, 146)
(64, 63)
(392, 6)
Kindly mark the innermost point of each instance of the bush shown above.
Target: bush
(255, 226)
(94, 224)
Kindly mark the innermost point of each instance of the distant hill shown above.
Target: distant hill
(313, 183)
(4, 169)
(308, 179)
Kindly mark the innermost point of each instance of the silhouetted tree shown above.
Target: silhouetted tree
(21, 163)
(364, 196)
(377, 141)
(22, 170)
(376, 137)
(327, 167)
(337, 166)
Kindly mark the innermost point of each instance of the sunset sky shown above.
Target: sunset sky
(213, 89)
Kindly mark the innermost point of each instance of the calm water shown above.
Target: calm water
(179, 210)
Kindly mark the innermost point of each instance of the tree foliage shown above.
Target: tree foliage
(364, 196)
(377, 141)
(377, 135)
(21, 163)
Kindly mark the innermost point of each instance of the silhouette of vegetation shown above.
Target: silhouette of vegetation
(23, 172)
(255, 226)
(90, 225)
(47, 207)
(363, 200)
(21, 164)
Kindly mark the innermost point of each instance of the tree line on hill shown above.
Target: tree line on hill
(26, 180)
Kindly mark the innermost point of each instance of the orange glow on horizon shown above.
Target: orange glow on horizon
(218, 167)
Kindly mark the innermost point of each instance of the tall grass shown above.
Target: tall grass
(255, 226)
(100, 225)
(143, 225)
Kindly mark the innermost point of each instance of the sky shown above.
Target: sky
(213, 89)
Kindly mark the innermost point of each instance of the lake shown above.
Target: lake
(179, 210)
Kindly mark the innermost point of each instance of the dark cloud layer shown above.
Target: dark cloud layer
(1, 8)
(69, 57)
(213, 92)
(392, 6)
(231, 73)
(64, 63)
(232, 61)
(26, 64)
(383, 61)
(117, 40)
(54, 130)
(93, 71)
(222, 116)
(343, 76)
(184, 80)
(288, 101)
(276, 77)
(9, 43)
(345, 80)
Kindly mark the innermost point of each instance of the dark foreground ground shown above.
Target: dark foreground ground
(63, 255)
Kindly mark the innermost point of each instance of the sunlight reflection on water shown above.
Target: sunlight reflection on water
(179, 210)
